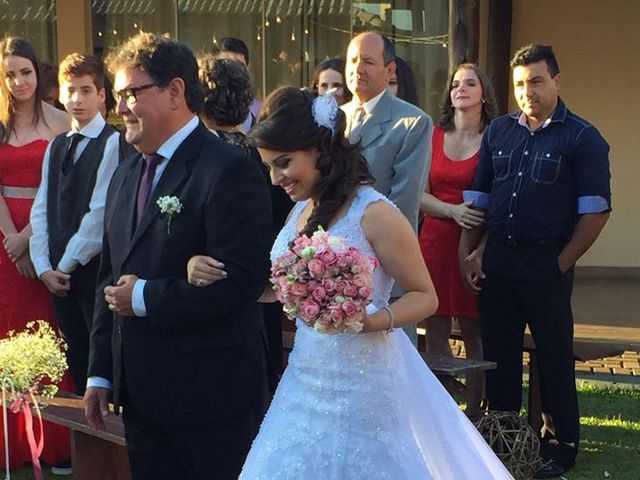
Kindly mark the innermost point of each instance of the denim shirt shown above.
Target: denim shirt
(534, 184)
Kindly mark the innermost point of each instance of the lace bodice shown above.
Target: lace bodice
(349, 228)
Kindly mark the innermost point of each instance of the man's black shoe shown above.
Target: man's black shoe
(551, 469)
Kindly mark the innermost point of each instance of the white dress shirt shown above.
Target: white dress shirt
(166, 151)
(86, 243)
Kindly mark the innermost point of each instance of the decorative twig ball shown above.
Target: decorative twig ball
(513, 440)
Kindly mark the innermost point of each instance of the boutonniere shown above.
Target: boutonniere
(169, 206)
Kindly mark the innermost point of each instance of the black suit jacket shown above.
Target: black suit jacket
(198, 355)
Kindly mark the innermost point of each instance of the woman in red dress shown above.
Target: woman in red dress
(468, 106)
(27, 124)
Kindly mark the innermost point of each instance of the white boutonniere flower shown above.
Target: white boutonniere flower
(169, 206)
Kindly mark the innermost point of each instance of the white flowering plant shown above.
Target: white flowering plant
(32, 361)
(170, 206)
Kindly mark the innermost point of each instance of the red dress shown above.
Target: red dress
(439, 237)
(23, 300)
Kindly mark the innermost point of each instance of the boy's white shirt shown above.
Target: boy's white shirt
(86, 243)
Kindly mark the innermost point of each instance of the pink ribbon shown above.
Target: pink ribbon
(34, 447)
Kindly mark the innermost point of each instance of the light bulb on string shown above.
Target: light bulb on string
(278, 19)
(444, 44)
(293, 35)
(266, 23)
(306, 31)
(99, 33)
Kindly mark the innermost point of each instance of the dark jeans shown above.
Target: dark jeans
(74, 314)
(524, 286)
(190, 451)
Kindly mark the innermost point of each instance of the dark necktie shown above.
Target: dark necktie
(356, 124)
(67, 163)
(144, 190)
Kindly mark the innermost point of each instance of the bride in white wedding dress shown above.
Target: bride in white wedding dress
(353, 406)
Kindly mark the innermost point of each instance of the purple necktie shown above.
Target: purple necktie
(144, 190)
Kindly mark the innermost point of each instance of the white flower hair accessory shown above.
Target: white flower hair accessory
(325, 111)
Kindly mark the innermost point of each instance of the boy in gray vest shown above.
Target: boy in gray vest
(68, 211)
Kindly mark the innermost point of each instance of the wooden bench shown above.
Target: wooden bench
(584, 349)
(440, 365)
(95, 454)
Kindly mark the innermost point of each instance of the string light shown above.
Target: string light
(306, 31)
(115, 32)
(278, 19)
(99, 33)
(293, 34)
(135, 24)
(266, 23)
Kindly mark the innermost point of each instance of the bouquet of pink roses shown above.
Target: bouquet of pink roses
(324, 282)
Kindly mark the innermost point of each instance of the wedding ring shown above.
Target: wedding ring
(199, 283)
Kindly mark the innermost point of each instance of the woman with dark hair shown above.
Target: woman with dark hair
(468, 105)
(351, 405)
(402, 83)
(27, 124)
(228, 96)
(50, 85)
(329, 76)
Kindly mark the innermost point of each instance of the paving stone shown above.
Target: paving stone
(622, 371)
(601, 370)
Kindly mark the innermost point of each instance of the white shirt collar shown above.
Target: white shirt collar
(91, 129)
(369, 105)
(169, 147)
(522, 121)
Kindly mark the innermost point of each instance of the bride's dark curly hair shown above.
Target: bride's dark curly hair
(286, 124)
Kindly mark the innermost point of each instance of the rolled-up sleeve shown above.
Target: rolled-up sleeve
(480, 188)
(593, 177)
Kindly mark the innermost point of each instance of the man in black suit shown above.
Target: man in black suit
(187, 364)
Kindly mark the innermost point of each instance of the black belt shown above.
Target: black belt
(527, 242)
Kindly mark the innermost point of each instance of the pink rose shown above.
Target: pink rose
(349, 308)
(300, 243)
(324, 318)
(337, 315)
(342, 262)
(298, 289)
(350, 290)
(340, 286)
(328, 257)
(329, 285)
(318, 293)
(361, 280)
(316, 268)
(364, 292)
(310, 309)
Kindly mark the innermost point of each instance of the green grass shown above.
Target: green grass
(610, 432)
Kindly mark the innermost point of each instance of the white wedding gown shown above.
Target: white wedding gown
(363, 406)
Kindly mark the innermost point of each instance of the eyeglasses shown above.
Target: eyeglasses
(130, 95)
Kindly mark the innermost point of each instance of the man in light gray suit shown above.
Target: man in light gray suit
(395, 135)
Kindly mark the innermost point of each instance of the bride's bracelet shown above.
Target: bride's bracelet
(392, 319)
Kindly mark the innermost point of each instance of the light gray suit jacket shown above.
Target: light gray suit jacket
(396, 141)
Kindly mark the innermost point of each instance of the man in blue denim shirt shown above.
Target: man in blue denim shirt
(543, 180)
